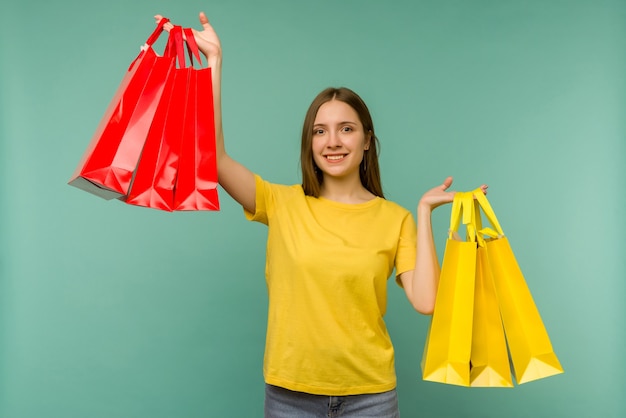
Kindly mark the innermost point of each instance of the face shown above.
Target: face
(338, 141)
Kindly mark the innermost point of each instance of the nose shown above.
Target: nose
(333, 140)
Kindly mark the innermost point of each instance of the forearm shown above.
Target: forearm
(215, 63)
(422, 283)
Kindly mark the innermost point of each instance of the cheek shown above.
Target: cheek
(361, 144)
(316, 146)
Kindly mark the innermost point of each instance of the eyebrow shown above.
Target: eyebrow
(347, 122)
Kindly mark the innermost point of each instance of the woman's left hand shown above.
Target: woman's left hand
(440, 195)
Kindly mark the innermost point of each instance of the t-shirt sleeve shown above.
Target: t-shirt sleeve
(407, 243)
(263, 202)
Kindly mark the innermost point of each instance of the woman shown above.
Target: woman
(333, 242)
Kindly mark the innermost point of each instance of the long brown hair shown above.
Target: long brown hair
(369, 172)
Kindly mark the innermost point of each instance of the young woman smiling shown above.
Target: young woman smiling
(333, 242)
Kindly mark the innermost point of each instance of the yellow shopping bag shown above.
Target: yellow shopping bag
(489, 361)
(529, 345)
(448, 344)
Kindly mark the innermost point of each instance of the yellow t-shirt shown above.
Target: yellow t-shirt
(327, 266)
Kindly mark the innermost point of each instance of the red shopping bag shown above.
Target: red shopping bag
(155, 176)
(196, 182)
(107, 166)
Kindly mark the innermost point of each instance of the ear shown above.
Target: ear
(368, 140)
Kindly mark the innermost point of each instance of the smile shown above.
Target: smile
(335, 157)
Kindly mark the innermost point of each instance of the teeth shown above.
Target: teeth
(334, 157)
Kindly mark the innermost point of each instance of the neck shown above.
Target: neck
(345, 190)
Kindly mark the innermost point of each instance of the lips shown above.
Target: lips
(335, 157)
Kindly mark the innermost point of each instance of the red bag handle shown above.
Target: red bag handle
(151, 40)
(192, 46)
(157, 31)
(177, 33)
(174, 47)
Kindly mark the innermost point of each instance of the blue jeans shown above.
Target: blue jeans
(284, 403)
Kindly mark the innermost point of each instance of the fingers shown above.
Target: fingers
(448, 182)
(204, 21)
(168, 26)
(483, 188)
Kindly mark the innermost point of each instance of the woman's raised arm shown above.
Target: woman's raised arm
(421, 284)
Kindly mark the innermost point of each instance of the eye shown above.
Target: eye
(318, 131)
(347, 129)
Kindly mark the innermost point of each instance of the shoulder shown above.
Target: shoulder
(277, 189)
(273, 198)
(394, 214)
(395, 208)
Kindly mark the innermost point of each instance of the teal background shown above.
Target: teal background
(108, 310)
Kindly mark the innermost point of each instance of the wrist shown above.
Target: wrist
(214, 61)
(424, 209)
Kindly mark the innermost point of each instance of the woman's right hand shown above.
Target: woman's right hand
(207, 39)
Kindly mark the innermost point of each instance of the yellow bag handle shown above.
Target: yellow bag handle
(477, 225)
(469, 216)
(466, 206)
(484, 204)
(462, 207)
(455, 215)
